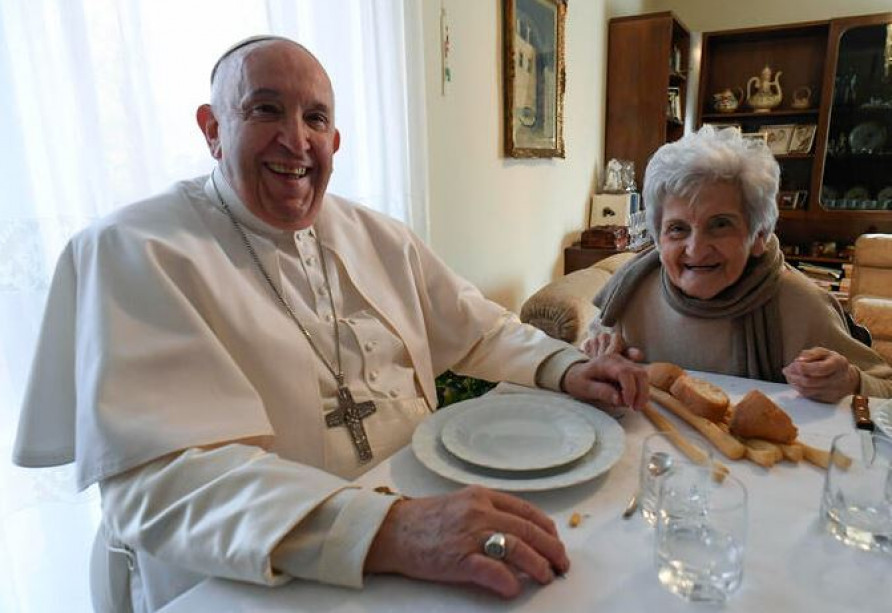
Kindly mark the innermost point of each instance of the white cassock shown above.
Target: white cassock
(163, 349)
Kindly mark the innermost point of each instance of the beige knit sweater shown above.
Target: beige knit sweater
(809, 318)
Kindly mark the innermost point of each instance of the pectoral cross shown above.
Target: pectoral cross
(350, 414)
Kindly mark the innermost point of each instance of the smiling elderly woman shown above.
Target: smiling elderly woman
(716, 295)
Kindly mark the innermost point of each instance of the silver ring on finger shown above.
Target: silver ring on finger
(496, 546)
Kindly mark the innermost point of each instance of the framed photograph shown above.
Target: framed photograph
(533, 88)
(673, 110)
(723, 126)
(801, 198)
(787, 200)
(778, 138)
(756, 136)
(802, 138)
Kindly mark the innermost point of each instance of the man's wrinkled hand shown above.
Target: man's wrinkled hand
(441, 539)
(609, 380)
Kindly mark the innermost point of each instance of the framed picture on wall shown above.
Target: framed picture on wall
(533, 73)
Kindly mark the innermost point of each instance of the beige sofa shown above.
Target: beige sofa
(871, 290)
(563, 308)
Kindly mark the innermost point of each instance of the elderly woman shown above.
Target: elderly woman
(715, 294)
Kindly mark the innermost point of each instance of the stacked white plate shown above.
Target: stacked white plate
(519, 441)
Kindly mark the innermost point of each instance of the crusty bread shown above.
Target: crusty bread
(663, 374)
(757, 416)
(701, 397)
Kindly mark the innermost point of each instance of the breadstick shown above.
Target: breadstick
(724, 442)
(821, 458)
(691, 451)
(764, 453)
(793, 453)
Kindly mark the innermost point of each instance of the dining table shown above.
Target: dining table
(791, 562)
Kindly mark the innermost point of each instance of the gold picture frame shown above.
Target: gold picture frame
(533, 77)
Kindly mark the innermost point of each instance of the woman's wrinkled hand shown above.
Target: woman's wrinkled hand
(441, 539)
(604, 343)
(823, 375)
(609, 380)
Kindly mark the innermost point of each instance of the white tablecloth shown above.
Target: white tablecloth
(791, 564)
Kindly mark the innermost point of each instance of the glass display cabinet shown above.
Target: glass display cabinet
(858, 155)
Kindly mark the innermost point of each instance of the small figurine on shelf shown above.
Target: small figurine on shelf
(613, 176)
(628, 176)
(767, 93)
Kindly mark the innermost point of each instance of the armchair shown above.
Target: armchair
(563, 308)
(871, 290)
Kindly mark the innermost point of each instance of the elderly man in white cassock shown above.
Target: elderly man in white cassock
(224, 358)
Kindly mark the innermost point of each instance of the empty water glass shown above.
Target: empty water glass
(700, 534)
(659, 455)
(857, 501)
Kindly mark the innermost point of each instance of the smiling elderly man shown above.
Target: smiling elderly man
(223, 358)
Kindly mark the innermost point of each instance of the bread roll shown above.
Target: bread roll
(701, 397)
(756, 416)
(663, 374)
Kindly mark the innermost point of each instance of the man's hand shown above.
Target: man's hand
(823, 375)
(604, 343)
(441, 539)
(610, 380)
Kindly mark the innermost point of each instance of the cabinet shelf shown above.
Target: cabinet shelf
(837, 60)
(816, 259)
(638, 79)
(862, 155)
(795, 156)
(709, 117)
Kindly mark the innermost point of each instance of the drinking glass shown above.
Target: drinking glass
(700, 534)
(857, 501)
(658, 449)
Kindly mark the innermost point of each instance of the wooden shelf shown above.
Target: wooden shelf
(639, 74)
(709, 117)
(795, 156)
(816, 259)
(809, 54)
(577, 257)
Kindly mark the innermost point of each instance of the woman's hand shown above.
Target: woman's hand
(823, 375)
(609, 380)
(441, 539)
(604, 343)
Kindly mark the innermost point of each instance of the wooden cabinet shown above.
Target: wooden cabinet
(795, 55)
(807, 57)
(577, 257)
(646, 86)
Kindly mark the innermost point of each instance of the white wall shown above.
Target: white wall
(503, 223)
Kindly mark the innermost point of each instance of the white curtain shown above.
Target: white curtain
(97, 104)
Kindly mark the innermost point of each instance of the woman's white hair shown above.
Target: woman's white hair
(681, 169)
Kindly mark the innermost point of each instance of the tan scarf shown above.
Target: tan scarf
(751, 302)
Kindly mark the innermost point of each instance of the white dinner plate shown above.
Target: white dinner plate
(518, 432)
(882, 417)
(610, 442)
